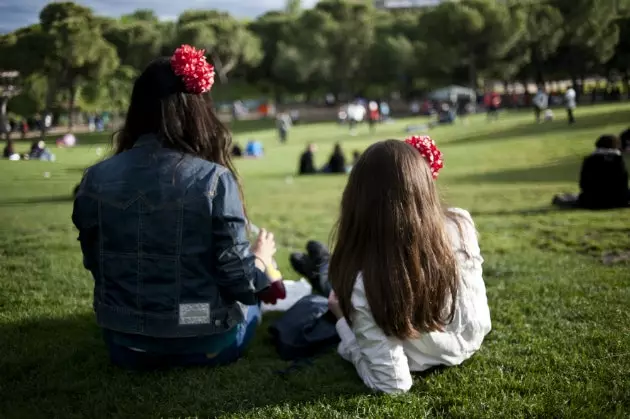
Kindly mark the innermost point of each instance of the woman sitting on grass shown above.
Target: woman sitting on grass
(603, 179)
(163, 230)
(9, 151)
(406, 271)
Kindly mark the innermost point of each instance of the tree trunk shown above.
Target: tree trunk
(71, 101)
(50, 96)
(3, 116)
(472, 73)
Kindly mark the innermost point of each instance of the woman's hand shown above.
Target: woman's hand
(333, 305)
(264, 249)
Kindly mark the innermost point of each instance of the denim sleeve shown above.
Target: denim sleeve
(85, 219)
(235, 268)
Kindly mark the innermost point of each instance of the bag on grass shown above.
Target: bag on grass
(306, 329)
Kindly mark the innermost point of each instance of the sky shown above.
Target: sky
(18, 13)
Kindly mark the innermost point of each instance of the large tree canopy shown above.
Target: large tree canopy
(341, 46)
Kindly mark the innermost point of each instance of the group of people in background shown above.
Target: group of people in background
(337, 162)
(542, 111)
(359, 111)
(38, 151)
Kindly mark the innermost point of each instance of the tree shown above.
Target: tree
(472, 33)
(350, 39)
(137, 41)
(303, 61)
(273, 30)
(226, 40)
(75, 49)
(591, 33)
(620, 61)
(112, 93)
(293, 7)
(396, 56)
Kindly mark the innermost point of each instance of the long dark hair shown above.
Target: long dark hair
(182, 121)
(392, 229)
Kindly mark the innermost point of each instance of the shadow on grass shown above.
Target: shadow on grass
(562, 171)
(533, 129)
(38, 200)
(519, 212)
(61, 366)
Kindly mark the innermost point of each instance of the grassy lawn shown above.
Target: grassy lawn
(560, 345)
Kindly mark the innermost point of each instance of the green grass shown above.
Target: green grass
(560, 345)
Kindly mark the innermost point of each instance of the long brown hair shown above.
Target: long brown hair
(182, 121)
(392, 230)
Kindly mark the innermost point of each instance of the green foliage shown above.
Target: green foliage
(226, 39)
(340, 46)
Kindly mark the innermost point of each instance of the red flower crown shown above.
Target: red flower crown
(427, 148)
(190, 64)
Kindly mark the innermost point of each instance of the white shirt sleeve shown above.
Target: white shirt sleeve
(379, 360)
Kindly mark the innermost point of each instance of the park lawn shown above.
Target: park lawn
(560, 344)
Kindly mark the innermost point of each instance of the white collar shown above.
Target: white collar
(607, 151)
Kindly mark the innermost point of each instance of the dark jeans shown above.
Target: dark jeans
(134, 360)
(537, 113)
(570, 115)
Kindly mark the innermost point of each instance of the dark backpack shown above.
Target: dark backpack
(306, 329)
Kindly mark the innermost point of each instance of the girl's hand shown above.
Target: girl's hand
(265, 248)
(333, 305)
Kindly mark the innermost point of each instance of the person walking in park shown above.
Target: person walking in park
(283, 123)
(163, 229)
(570, 99)
(541, 103)
(407, 304)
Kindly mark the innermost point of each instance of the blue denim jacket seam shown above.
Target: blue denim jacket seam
(139, 271)
(220, 171)
(101, 248)
(178, 252)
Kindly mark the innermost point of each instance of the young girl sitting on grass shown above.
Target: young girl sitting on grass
(406, 271)
(163, 230)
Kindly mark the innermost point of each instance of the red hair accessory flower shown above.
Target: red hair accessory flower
(427, 148)
(190, 64)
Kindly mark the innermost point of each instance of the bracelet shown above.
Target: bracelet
(273, 274)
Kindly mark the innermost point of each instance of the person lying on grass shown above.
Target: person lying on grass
(406, 271)
(163, 231)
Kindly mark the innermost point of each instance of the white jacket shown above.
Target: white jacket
(385, 363)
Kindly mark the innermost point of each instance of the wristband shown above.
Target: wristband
(273, 273)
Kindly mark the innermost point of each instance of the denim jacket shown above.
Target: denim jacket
(164, 236)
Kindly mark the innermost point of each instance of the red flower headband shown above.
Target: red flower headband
(190, 64)
(427, 148)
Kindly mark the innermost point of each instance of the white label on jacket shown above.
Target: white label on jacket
(194, 313)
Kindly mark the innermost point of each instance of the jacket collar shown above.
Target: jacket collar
(147, 140)
(607, 151)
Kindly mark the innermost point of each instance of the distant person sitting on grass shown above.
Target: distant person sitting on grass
(307, 160)
(40, 152)
(9, 151)
(337, 161)
(237, 151)
(406, 271)
(163, 231)
(254, 149)
(603, 179)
